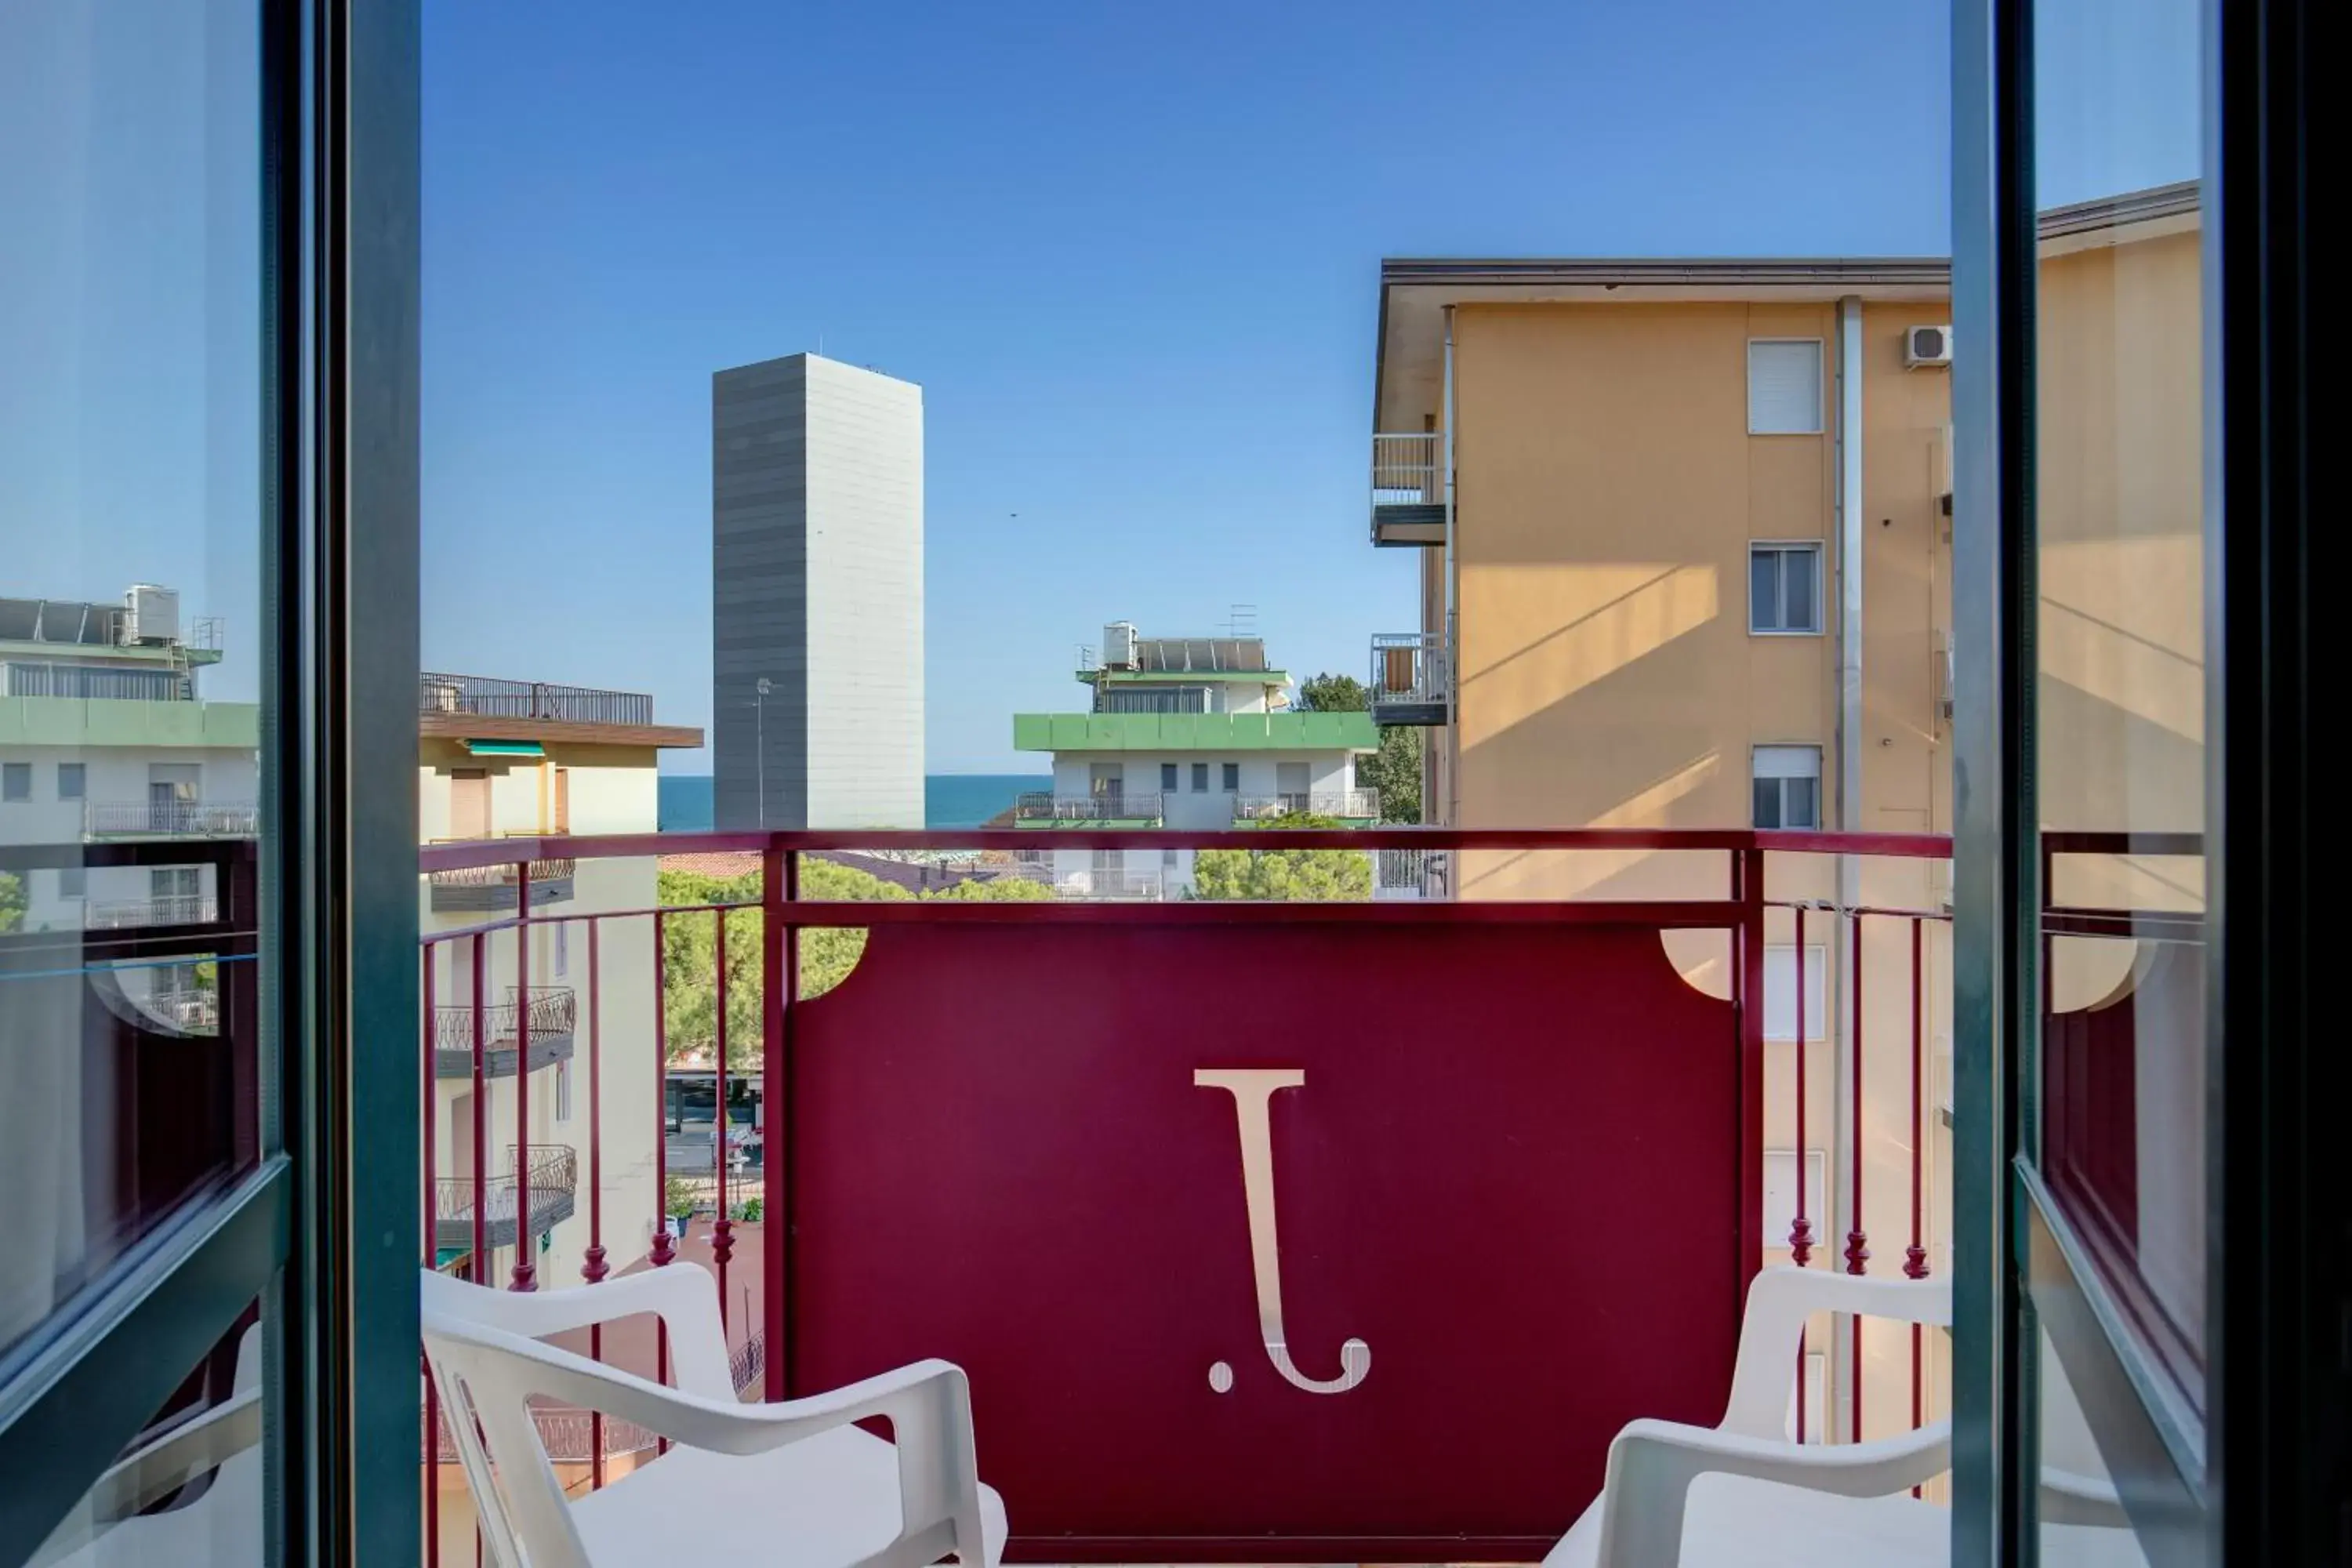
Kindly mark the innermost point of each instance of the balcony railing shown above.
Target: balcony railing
(469, 1210)
(1349, 804)
(477, 890)
(167, 909)
(192, 1011)
(548, 1016)
(1409, 489)
(1412, 679)
(490, 698)
(1586, 1049)
(171, 820)
(1118, 805)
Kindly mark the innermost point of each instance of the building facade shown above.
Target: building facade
(106, 736)
(575, 1012)
(816, 472)
(1189, 733)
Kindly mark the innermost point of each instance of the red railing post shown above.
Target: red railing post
(1857, 1238)
(432, 1260)
(1800, 1228)
(591, 1266)
(1914, 1257)
(477, 1266)
(780, 989)
(526, 1272)
(1748, 979)
(664, 1248)
(722, 1237)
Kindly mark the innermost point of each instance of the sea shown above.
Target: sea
(950, 800)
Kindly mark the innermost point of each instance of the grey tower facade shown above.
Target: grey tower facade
(816, 511)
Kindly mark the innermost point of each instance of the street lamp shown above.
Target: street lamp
(759, 744)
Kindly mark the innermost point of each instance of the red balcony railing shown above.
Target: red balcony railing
(1537, 1126)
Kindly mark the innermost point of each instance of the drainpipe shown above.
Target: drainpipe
(1849, 796)
(1450, 630)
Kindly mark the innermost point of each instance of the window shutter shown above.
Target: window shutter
(1784, 387)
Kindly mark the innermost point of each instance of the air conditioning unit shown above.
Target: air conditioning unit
(1119, 645)
(1926, 348)
(151, 615)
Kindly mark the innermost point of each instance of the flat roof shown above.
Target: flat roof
(484, 727)
(1409, 353)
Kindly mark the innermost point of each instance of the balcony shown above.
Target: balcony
(1126, 808)
(1356, 807)
(490, 890)
(550, 1015)
(468, 1209)
(1409, 494)
(1449, 1083)
(1411, 681)
(485, 697)
(171, 819)
(165, 909)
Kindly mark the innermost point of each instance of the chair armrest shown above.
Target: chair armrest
(1780, 1300)
(2070, 1499)
(682, 1294)
(1652, 1463)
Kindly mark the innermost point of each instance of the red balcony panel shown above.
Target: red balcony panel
(1519, 1183)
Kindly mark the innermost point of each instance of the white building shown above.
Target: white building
(503, 758)
(816, 510)
(106, 736)
(1189, 733)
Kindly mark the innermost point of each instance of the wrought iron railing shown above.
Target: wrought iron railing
(165, 909)
(199, 818)
(1409, 469)
(1343, 803)
(551, 1010)
(1118, 805)
(552, 1173)
(1408, 668)
(491, 697)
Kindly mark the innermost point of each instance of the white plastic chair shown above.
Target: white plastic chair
(794, 1483)
(1741, 1493)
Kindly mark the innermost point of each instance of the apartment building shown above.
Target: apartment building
(507, 759)
(106, 736)
(1189, 733)
(816, 478)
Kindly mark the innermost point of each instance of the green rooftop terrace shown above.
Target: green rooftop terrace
(1194, 732)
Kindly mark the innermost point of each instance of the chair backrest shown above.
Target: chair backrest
(488, 1363)
(1780, 1300)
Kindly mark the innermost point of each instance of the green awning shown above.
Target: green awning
(506, 748)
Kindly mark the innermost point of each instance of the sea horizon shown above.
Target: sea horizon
(950, 800)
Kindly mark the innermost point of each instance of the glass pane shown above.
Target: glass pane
(1797, 574)
(1801, 802)
(1768, 802)
(188, 1491)
(2081, 1519)
(130, 626)
(1764, 590)
(2121, 688)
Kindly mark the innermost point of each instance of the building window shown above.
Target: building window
(1788, 786)
(73, 882)
(73, 780)
(1232, 778)
(1200, 778)
(1784, 588)
(16, 781)
(1784, 386)
(1168, 778)
(1168, 860)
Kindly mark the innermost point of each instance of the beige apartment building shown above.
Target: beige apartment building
(1684, 537)
(501, 759)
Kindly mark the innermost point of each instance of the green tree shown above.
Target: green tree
(1395, 769)
(1295, 876)
(995, 890)
(12, 901)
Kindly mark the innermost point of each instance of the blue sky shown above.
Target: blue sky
(1130, 252)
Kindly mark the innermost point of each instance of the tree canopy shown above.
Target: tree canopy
(1395, 769)
(1295, 876)
(12, 900)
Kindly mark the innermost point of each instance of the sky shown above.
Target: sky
(1131, 254)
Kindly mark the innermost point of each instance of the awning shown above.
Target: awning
(506, 748)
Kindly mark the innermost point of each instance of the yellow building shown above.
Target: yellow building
(1684, 542)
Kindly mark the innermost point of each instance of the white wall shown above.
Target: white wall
(1328, 773)
(112, 775)
(865, 599)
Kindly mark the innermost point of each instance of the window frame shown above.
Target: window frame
(1820, 761)
(80, 771)
(16, 783)
(1784, 548)
(1229, 778)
